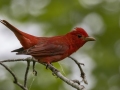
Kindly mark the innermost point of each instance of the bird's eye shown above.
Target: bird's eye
(79, 35)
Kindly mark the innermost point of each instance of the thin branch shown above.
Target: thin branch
(15, 78)
(63, 78)
(81, 70)
(56, 72)
(34, 71)
(15, 60)
(26, 73)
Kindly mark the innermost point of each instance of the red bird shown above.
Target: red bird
(49, 49)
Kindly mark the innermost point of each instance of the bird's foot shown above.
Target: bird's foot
(51, 67)
(54, 72)
(48, 64)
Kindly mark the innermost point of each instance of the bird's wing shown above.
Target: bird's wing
(46, 49)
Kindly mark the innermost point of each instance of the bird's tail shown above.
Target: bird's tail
(25, 39)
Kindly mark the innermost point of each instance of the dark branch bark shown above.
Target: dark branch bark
(81, 70)
(26, 73)
(34, 71)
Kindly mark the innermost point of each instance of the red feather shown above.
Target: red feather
(49, 49)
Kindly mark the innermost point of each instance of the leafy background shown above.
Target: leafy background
(100, 18)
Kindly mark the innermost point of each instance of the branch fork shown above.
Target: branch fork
(73, 83)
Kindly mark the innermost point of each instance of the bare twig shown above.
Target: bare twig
(68, 81)
(81, 70)
(26, 73)
(34, 71)
(15, 78)
(15, 60)
(55, 71)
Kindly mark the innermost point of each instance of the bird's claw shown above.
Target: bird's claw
(54, 71)
(47, 65)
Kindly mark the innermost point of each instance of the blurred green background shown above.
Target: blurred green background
(100, 18)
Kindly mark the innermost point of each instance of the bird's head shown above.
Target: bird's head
(79, 37)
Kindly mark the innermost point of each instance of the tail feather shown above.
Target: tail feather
(15, 30)
(11, 27)
(18, 50)
(25, 39)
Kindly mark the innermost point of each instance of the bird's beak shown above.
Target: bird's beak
(89, 39)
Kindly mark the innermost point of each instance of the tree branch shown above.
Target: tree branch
(14, 76)
(63, 78)
(81, 70)
(52, 68)
(34, 71)
(26, 73)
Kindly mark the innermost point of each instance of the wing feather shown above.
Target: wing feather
(46, 49)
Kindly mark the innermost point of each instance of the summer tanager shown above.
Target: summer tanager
(49, 49)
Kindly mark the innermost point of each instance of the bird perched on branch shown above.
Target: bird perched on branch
(49, 49)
